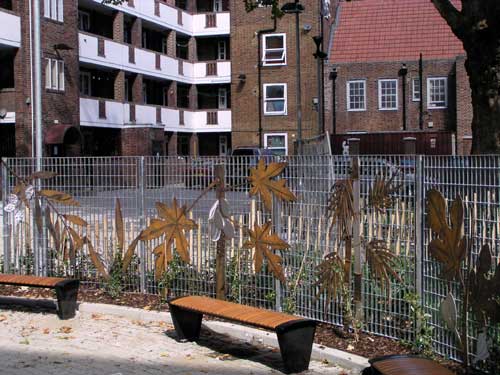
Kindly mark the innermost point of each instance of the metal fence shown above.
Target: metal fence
(139, 182)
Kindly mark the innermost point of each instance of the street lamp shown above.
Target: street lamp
(297, 8)
(320, 56)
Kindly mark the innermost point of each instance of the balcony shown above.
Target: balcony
(10, 31)
(177, 19)
(111, 114)
(105, 52)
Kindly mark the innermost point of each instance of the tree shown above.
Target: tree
(477, 25)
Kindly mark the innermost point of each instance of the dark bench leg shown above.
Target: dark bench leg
(296, 347)
(67, 293)
(187, 323)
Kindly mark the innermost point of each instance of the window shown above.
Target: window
(356, 95)
(222, 98)
(222, 50)
(437, 93)
(83, 21)
(274, 49)
(217, 6)
(275, 99)
(85, 83)
(53, 9)
(388, 94)
(416, 90)
(164, 45)
(277, 143)
(54, 74)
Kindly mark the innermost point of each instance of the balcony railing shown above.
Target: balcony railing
(176, 19)
(106, 52)
(109, 113)
(10, 29)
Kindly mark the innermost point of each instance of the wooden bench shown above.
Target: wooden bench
(405, 364)
(66, 290)
(295, 335)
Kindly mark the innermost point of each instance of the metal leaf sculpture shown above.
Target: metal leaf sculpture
(380, 196)
(120, 237)
(220, 221)
(172, 226)
(330, 276)
(381, 262)
(450, 246)
(484, 290)
(59, 197)
(264, 243)
(341, 207)
(264, 184)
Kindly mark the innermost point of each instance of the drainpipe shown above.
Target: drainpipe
(403, 73)
(31, 81)
(259, 74)
(38, 83)
(421, 104)
(333, 78)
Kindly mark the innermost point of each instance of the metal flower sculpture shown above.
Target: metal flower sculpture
(263, 183)
(172, 226)
(330, 277)
(220, 222)
(382, 264)
(380, 196)
(264, 243)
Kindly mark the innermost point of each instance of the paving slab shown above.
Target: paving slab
(37, 342)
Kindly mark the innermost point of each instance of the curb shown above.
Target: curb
(243, 333)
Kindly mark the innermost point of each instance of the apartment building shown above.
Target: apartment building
(264, 85)
(378, 89)
(147, 77)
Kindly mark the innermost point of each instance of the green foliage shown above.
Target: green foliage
(234, 280)
(115, 282)
(422, 343)
(250, 5)
(166, 282)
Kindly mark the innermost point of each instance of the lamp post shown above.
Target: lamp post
(320, 56)
(297, 8)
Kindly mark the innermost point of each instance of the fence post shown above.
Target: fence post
(276, 219)
(5, 217)
(220, 261)
(356, 232)
(142, 222)
(419, 220)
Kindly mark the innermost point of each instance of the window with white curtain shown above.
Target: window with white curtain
(54, 74)
(275, 99)
(53, 9)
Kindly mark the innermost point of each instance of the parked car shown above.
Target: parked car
(199, 173)
(242, 160)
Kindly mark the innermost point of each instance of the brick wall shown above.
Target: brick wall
(456, 117)
(58, 107)
(464, 109)
(245, 60)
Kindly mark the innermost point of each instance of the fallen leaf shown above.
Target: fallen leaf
(2, 318)
(147, 308)
(46, 331)
(65, 329)
(164, 355)
(24, 342)
(350, 347)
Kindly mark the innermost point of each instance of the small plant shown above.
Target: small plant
(422, 342)
(115, 281)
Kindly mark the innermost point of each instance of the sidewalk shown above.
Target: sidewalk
(34, 343)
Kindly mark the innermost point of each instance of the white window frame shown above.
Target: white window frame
(217, 6)
(54, 74)
(273, 62)
(88, 77)
(348, 96)
(54, 10)
(222, 98)
(267, 135)
(432, 104)
(416, 90)
(265, 99)
(222, 50)
(380, 101)
(82, 15)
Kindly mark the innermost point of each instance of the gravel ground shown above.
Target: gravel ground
(39, 343)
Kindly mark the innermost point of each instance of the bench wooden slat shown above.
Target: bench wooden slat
(34, 281)
(409, 366)
(233, 311)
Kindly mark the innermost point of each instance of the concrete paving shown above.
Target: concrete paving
(37, 342)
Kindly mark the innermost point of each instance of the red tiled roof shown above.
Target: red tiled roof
(392, 30)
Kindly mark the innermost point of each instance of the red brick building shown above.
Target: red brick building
(374, 73)
(148, 77)
(263, 56)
